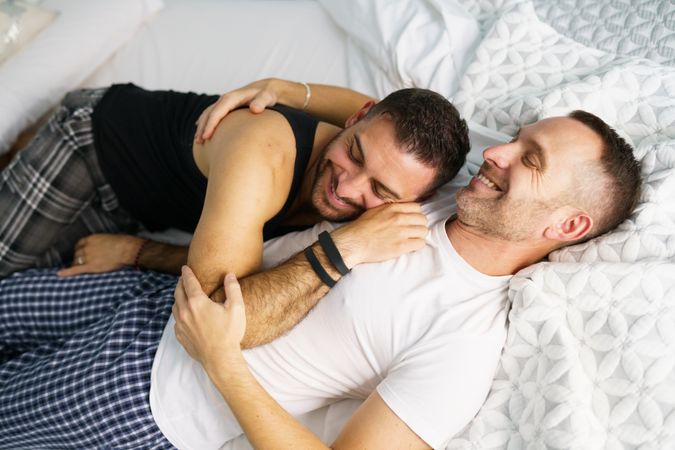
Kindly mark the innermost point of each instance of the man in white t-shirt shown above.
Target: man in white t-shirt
(418, 338)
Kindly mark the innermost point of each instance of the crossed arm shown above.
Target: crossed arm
(211, 332)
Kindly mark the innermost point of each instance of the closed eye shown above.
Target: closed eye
(351, 153)
(531, 162)
(378, 192)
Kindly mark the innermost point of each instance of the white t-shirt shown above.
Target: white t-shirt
(425, 331)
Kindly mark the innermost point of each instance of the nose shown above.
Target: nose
(500, 155)
(353, 187)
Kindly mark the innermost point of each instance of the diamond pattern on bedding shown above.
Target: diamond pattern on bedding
(588, 362)
(641, 28)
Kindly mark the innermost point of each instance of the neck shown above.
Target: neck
(488, 254)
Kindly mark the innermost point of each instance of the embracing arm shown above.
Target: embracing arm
(269, 426)
(211, 334)
(249, 164)
(277, 299)
(332, 104)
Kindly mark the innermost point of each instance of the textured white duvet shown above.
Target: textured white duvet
(590, 357)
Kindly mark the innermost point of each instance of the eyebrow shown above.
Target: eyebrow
(535, 148)
(380, 186)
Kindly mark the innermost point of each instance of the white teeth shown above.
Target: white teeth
(485, 181)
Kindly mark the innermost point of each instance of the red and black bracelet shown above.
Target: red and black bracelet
(137, 259)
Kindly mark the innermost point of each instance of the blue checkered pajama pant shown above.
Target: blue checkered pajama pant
(78, 354)
(53, 193)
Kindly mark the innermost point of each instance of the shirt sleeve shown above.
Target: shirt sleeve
(439, 385)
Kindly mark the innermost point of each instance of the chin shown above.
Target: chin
(325, 209)
(333, 215)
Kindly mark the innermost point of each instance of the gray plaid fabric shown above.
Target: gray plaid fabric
(78, 355)
(53, 193)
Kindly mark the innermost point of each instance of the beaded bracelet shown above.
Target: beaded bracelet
(137, 259)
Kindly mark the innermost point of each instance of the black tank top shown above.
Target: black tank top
(144, 144)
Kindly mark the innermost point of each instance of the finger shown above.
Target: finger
(412, 219)
(261, 101)
(256, 107)
(191, 283)
(205, 119)
(413, 244)
(212, 120)
(417, 231)
(179, 292)
(223, 107)
(406, 207)
(73, 270)
(233, 291)
(201, 124)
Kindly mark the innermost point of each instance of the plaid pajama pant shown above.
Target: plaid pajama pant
(54, 193)
(78, 356)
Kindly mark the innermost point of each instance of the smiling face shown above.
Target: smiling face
(364, 167)
(527, 186)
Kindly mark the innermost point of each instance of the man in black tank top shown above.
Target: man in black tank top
(121, 159)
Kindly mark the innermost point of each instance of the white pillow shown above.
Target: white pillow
(19, 23)
(422, 43)
(58, 59)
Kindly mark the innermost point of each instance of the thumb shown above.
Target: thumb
(257, 106)
(232, 291)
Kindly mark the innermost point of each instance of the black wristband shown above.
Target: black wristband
(333, 253)
(318, 268)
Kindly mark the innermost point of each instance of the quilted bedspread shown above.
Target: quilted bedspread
(589, 361)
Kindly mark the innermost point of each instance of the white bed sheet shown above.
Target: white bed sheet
(83, 35)
(213, 46)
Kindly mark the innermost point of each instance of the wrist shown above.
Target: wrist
(139, 253)
(347, 249)
(290, 93)
(228, 368)
(131, 246)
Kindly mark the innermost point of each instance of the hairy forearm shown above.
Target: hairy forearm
(163, 257)
(332, 104)
(277, 299)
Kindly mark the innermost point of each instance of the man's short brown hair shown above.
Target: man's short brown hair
(621, 189)
(430, 128)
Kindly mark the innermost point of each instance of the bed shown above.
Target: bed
(589, 361)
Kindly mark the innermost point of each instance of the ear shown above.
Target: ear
(360, 114)
(573, 226)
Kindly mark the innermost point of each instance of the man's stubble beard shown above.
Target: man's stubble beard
(513, 221)
(320, 203)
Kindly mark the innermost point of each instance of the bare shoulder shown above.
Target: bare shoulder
(267, 133)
